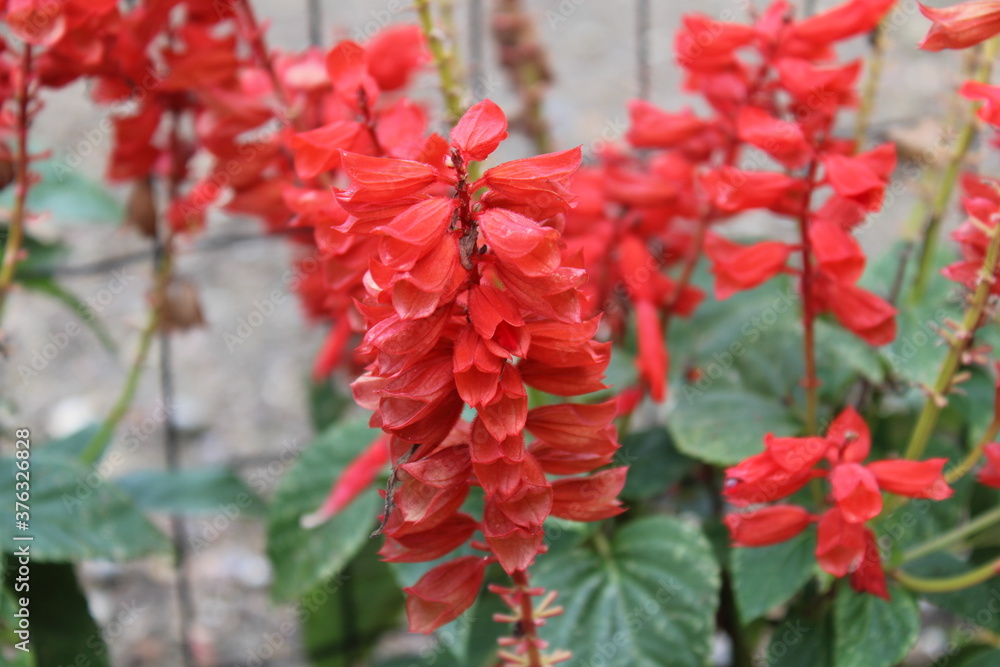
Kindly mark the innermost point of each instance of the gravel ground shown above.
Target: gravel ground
(249, 404)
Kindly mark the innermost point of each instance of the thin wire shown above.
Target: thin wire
(643, 16)
(476, 41)
(315, 17)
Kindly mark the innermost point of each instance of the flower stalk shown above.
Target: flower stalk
(958, 343)
(15, 230)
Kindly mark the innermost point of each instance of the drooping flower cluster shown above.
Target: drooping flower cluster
(470, 303)
(845, 545)
(775, 90)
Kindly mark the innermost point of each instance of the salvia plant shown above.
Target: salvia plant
(577, 411)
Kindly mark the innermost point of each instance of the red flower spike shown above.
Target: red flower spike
(990, 473)
(739, 268)
(479, 131)
(856, 491)
(767, 526)
(914, 479)
(441, 595)
(961, 26)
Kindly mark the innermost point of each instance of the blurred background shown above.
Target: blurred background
(245, 404)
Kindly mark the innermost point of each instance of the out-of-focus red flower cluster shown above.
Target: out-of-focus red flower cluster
(775, 90)
(844, 544)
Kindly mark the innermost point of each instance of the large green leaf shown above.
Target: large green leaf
(649, 599)
(62, 630)
(343, 618)
(68, 197)
(76, 514)
(725, 425)
(801, 641)
(766, 577)
(654, 463)
(872, 632)
(303, 558)
(194, 491)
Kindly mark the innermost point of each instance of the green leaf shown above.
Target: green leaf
(725, 425)
(349, 613)
(84, 312)
(766, 577)
(327, 404)
(872, 632)
(649, 599)
(72, 445)
(62, 631)
(76, 514)
(194, 491)
(654, 463)
(69, 198)
(984, 657)
(303, 558)
(800, 641)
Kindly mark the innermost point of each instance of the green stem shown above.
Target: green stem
(953, 536)
(444, 60)
(972, 458)
(947, 183)
(949, 584)
(875, 63)
(959, 342)
(92, 452)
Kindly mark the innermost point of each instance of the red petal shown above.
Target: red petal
(479, 131)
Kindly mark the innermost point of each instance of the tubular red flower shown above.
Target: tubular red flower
(441, 595)
(856, 492)
(961, 26)
(914, 479)
(739, 268)
(767, 526)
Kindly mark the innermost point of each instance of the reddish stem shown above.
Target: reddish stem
(529, 627)
(808, 311)
(15, 231)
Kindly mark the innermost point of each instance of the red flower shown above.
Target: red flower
(914, 479)
(356, 478)
(990, 473)
(767, 526)
(651, 127)
(840, 544)
(856, 492)
(860, 311)
(739, 268)
(961, 26)
(868, 576)
(441, 595)
(590, 498)
(782, 140)
(733, 189)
